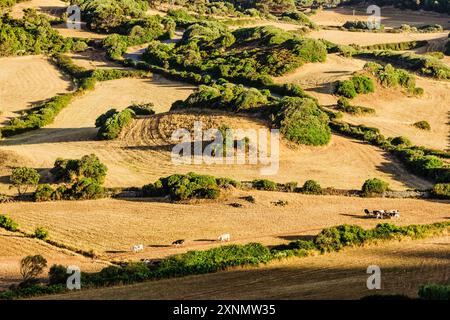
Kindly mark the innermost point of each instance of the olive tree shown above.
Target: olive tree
(24, 178)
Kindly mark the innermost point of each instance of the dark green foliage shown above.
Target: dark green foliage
(8, 223)
(113, 125)
(302, 121)
(346, 89)
(40, 233)
(24, 178)
(363, 84)
(44, 192)
(401, 141)
(57, 275)
(143, 109)
(264, 184)
(434, 292)
(422, 125)
(374, 187)
(224, 97)
(335, 238)
(183, 187)
(398, 46)
(31, 35)
(84, 189)
(442, 190)
(312, 187)
(298, 17)
(72, 170)
(344, 105)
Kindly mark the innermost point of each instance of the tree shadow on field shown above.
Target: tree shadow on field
(355, 216)
(205, 240)
(116, 251)
(325, 88)
(296, 237)
(51, 135)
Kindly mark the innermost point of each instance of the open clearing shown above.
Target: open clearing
(49, 7)
(25, 81)
(110, 227)
(405, 266)
(13, 247)
(390, 16)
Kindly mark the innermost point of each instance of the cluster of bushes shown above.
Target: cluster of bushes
(112, 122)
(419, 160)
(33, 34)
(221, 258)
(389, 77)
(343, 104)
(83, 189)
(358, 84)
(299, 18)
(264, 184)
(424, 64)
(247, 55)
(188, 186)
(225, 96)
(302, 121)
(442, 190)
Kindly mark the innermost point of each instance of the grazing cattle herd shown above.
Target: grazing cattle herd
(382, 214)
(226, 237)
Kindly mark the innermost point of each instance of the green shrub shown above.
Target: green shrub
(24, 178)
(40, 233)
(312, 187)
(422, 125)
(71, 170)
(442, 190)
(264, 184)
(434, 292)
(343, 104)
(363, 84)
(84, 189)
(8, 224)
(401, 141)
(335, 238)
(302, 121)
(114, 125)
(43, 192)
(57, 275)
(346, 89)
(374, 187)
(143, 109)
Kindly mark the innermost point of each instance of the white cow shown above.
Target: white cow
(138, 248)
(224, 237)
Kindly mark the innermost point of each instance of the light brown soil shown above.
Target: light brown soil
(25, 81)
(390, 16)
(111, 227)
(93, 59)
(404, 267)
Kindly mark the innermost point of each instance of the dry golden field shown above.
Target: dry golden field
(404, 266)
(112, 227)
(26, 81)
(51, 7)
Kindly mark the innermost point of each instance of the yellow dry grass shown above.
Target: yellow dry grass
(111, 227)
(342, 275)
(14, 247)
(390, 16)
(24, 81)
(50, 7)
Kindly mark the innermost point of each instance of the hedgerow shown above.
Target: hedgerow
(8, 224)
(434, 292)
(264, 184)
(344, 105)
(442, 190)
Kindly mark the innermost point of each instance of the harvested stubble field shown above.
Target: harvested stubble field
(25, 81)
(390, 17)
(404, 265)
(13, 247)
(51, 7)
(110, 226)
